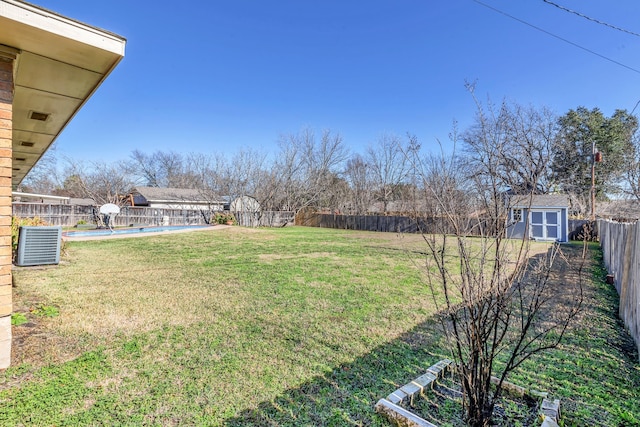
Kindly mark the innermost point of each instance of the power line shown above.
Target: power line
(635, 70)
(590, 18)
(597, 22)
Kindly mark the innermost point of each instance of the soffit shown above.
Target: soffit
(60, 64)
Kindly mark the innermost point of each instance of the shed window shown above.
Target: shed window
(517, 215)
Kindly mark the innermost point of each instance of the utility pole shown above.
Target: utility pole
(596, 156)
(593, 181)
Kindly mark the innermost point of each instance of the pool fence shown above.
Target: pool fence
(72, 215)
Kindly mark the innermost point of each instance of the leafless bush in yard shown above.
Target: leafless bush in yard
(496, 297)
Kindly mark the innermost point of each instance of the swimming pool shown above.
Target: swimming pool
(134, 230)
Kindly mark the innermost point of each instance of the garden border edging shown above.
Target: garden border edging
(391, 409)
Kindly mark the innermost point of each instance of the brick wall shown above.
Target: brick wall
(6, 130)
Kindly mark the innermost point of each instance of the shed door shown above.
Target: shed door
(545, 224)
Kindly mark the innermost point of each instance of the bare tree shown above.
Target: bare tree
(360, 196)
(245, 170)
(512, 143)
(309, 168)
(267, 189)
(389, 168)
(530, 135)
(322, 164)
(289, 175)
(495, 298)
(44, 177)
(99, 181)
(168, 169)
(440, 191)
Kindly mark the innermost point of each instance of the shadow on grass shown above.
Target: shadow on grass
(347, 394)
(593, 365)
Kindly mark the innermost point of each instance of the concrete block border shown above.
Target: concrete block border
(390, 407)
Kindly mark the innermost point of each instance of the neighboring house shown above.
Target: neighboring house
(76, 201)
(619, 210)
(191, 199)
(175, 198)
(539, 217)
(21, 197)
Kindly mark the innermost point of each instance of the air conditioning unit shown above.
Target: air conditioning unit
(39, 245)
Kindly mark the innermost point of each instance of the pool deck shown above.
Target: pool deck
(145, 234)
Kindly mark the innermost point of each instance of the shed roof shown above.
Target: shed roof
(540, 201)
(59, 64)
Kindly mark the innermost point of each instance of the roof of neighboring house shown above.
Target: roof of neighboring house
(59, 64)
(626, 210)
(174, 195)
(81, 201)
(540, 201)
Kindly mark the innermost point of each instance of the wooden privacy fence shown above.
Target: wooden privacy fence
(55, 214)
(406, 224)
(264, 219)
(401, 224)
(70, 215)
(621, 251)
(392, 224)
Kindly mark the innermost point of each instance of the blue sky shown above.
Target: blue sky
(213, 76)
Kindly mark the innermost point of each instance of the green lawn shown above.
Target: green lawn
(291, 326)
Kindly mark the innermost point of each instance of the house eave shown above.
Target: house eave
(59, 65)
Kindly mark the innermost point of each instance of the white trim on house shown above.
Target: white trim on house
(39, 196)
(40, 19)
(59, 63)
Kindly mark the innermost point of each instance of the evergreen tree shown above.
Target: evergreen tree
(572, 157)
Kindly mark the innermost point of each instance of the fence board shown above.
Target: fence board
(621, 254)
(390, 224)
(407, 224)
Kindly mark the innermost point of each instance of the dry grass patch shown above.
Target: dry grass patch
(110, 303)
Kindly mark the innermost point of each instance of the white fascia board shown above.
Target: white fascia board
(42, 196)
(53, 23)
